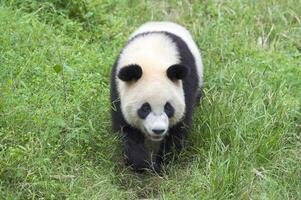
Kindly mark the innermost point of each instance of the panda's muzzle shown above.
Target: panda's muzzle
(156, 126)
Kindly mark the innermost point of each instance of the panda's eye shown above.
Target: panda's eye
(169, 110)
(144, 110)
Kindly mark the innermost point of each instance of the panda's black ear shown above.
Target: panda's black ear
(177, 72)
(130, 73)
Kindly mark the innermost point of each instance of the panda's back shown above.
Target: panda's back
(179, 31)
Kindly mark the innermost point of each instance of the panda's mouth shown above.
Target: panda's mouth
(156, 138)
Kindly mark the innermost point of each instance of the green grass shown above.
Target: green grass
(55, 130)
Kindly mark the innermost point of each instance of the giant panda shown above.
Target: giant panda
(155, 84)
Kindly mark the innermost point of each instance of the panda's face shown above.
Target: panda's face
(155, 122)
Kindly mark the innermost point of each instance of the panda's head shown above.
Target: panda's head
(152, 101)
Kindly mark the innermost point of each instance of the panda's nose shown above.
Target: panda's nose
(158, 131)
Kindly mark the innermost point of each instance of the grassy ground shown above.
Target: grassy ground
(55, 138)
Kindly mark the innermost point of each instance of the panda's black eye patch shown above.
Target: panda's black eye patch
(144, 110)
(169, 110)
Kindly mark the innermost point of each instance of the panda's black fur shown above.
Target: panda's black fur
(133, 140)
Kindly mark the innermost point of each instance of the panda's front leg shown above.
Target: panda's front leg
(174, 139)
(136, 156)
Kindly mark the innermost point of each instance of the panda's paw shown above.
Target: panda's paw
(137, 165)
